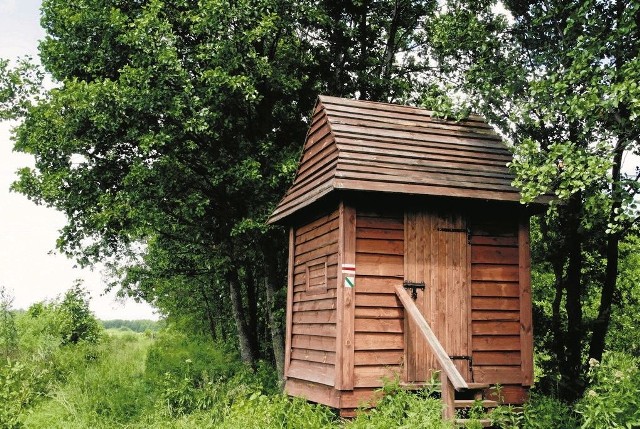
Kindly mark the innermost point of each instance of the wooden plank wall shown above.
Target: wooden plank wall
(379, 317)
(495, 300)
(313, 311)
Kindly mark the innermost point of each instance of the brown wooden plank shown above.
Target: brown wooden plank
(386, 247)
(318, 393)
(497, 374)
(495, 328)
(495, 315)
(509, 394)
(318, 242)
(378, 341)
(376, 233)
(343, 181)
(496, 358)
(320, 356)
(319, 329)
(313, 342)
(443, 358)
(380, 222)
(504, 273)
(359, 398)
(495, 289)
(317, 316)
(312, 371)
(379, 357)
(325, 251)
(328, 226)
(380, 313)
(377, 284)
(481, 240)
(379, 265)
(484, 303)
(289, 314)
(346, 299)
(374, 376)
(526, 316)
(379, 325)
(494, 343)
(306, 296)
(318, 304)
(376, 300)
(494, 255)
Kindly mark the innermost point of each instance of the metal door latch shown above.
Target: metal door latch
(414, 286)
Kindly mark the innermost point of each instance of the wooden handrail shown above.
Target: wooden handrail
(443, 358)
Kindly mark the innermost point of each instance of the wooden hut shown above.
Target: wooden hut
(408, 254)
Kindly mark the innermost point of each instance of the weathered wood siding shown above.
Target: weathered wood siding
(379, 318)
(495, 300)
(313, 311)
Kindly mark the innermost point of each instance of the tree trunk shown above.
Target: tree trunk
(572, 384)
(601, 324)
(247, 353)
(277, 334)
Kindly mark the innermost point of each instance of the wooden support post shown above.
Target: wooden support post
(287, 343)
(345, 355)
(448, 397)
(526, 323)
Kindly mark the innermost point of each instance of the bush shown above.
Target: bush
(613, 398)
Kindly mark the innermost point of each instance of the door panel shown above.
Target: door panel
(437, 253)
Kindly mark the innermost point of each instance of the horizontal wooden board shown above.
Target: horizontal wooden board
(320, 356)
(508, 394)
(318, 304)
(314, 255)
(379, 341)
(379, 222)
(314, 316)
(315, 392)
(495, 289)
(500, 273)
(496, 358)
(495, 343)
(495, 315)
(318, 329)
(377, 284)
(376, 300)
(493, 240)
(384, 247)
(330, 223)
(484, 303)
(494, 255)
(374, 376)
(379, 265)
(380, 234)
(380, 313)
(379, 325)
(379, 357)
(304, 296)
(495, 328)
(497, 374)
(312, 371)
(311, 342)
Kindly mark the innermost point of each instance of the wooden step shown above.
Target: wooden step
(468, 403)
(478, 386)
(419, 386)
(486, 423)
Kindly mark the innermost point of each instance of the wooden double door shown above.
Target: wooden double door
(437, 253)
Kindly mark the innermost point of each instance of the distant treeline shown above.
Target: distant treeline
(134, 325)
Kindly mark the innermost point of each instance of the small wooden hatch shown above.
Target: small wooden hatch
(388, 198)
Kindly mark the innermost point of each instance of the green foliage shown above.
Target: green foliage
(133, 325)
(403, 409)
(613, 397)
(76, 321)
(8, 331)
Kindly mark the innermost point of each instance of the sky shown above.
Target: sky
(30, 269)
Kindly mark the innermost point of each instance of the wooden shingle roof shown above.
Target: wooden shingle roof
(368, 146)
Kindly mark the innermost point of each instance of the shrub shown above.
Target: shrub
(613, 397)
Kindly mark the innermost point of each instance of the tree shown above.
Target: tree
(8, 331)
(175, 127)
(76, 322)
(560, 79)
